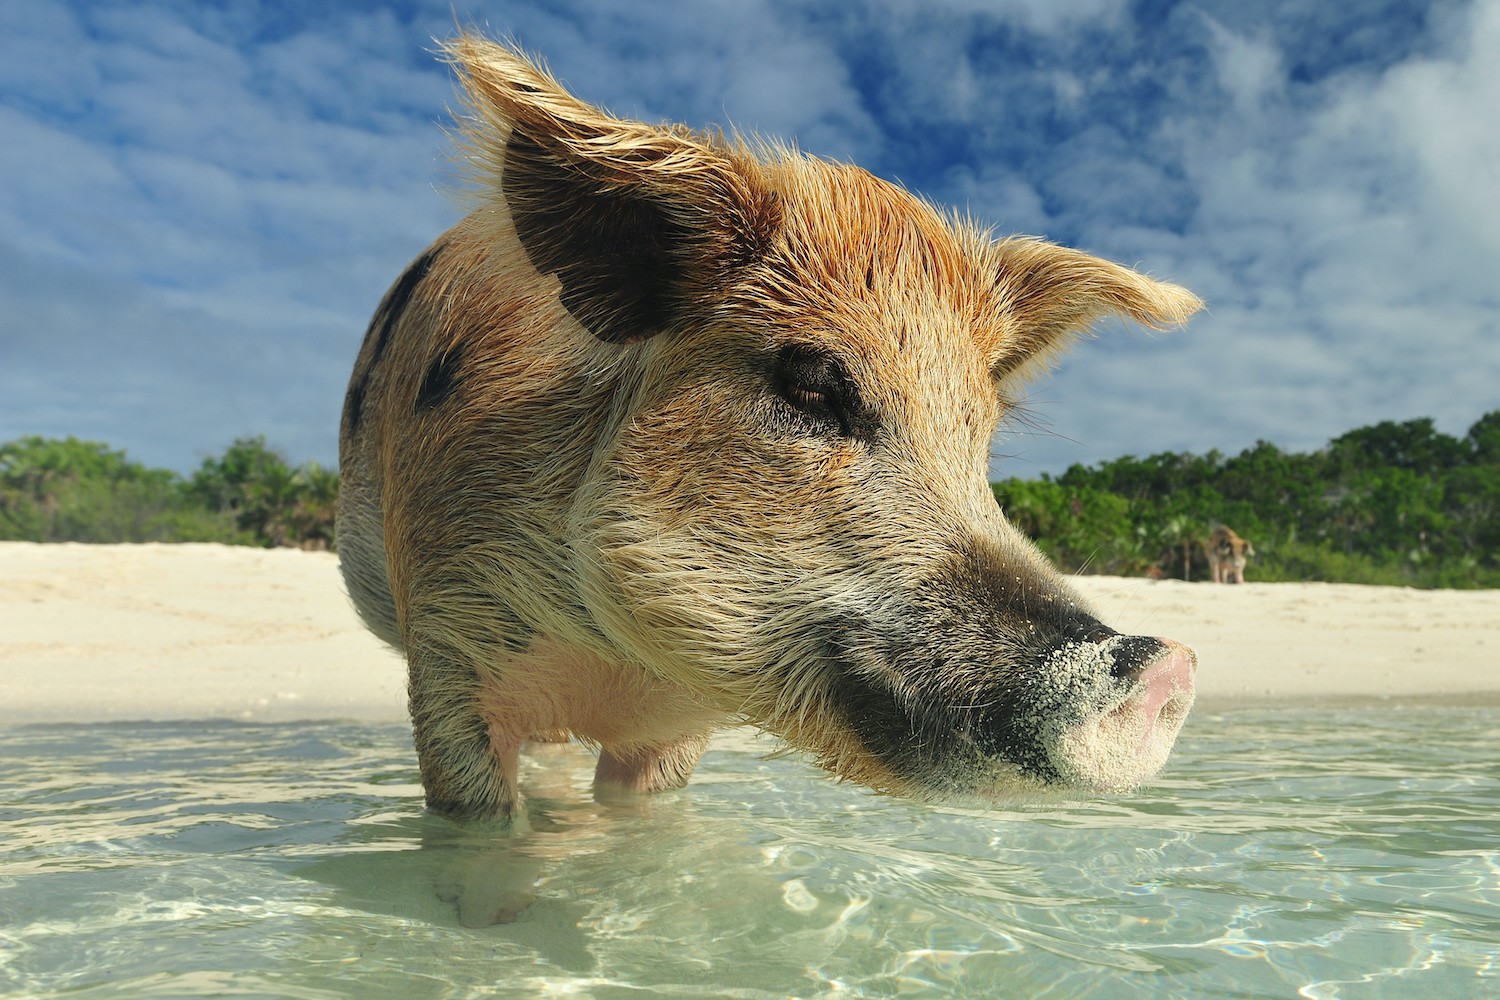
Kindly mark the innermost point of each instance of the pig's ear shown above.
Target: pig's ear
(1048, 293)
(638, 222)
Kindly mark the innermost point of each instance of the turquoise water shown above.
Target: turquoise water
(1315, 853)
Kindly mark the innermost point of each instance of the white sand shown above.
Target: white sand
(98, 632)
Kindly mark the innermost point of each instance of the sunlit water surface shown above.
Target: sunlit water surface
(1321, 853)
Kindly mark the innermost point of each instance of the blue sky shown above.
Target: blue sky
(201, 203)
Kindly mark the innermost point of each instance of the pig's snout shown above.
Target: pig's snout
(1164, 683)
(1129, 741)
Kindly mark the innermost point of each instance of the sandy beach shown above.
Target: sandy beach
(92, 633)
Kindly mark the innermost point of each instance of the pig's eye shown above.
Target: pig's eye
(816, 383)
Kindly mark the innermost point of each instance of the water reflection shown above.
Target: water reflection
(1282, 852)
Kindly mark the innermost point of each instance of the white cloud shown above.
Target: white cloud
(1249, 68)
(1344, 240)
(1442, 113)
(201, 206)
(198, 231)
(998, 196)
(1045, 17)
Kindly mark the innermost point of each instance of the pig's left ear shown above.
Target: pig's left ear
(638, 222)
(1048, 293)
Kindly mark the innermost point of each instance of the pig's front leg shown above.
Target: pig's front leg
(469, 763)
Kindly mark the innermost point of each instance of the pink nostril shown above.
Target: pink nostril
(1169, 676)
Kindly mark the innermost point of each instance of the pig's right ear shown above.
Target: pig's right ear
(638, 222)
(1052, 293)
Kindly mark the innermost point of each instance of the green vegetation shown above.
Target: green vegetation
(84, 491)
(1396, 503)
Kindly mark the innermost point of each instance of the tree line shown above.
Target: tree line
(1393, 503)
(66, 490)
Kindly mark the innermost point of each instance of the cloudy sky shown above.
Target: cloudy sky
(202, 202)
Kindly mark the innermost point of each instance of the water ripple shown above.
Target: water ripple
(1321, 854)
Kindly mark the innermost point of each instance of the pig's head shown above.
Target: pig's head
(787, 512)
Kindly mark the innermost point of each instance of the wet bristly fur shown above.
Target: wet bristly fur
(673, 432)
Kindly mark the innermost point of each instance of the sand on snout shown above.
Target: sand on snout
(94, 633)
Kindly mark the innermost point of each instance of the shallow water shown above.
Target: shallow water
(1321, 853)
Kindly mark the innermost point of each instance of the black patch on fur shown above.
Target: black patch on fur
(882, 695)
(397, 299)
(354, 402)
(440, 381)
(910, 738)
(387, 315)
(617, 254)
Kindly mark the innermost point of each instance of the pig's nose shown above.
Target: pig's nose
(1132, 653)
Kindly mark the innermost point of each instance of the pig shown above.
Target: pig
(677, 430)
(1227, 554)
